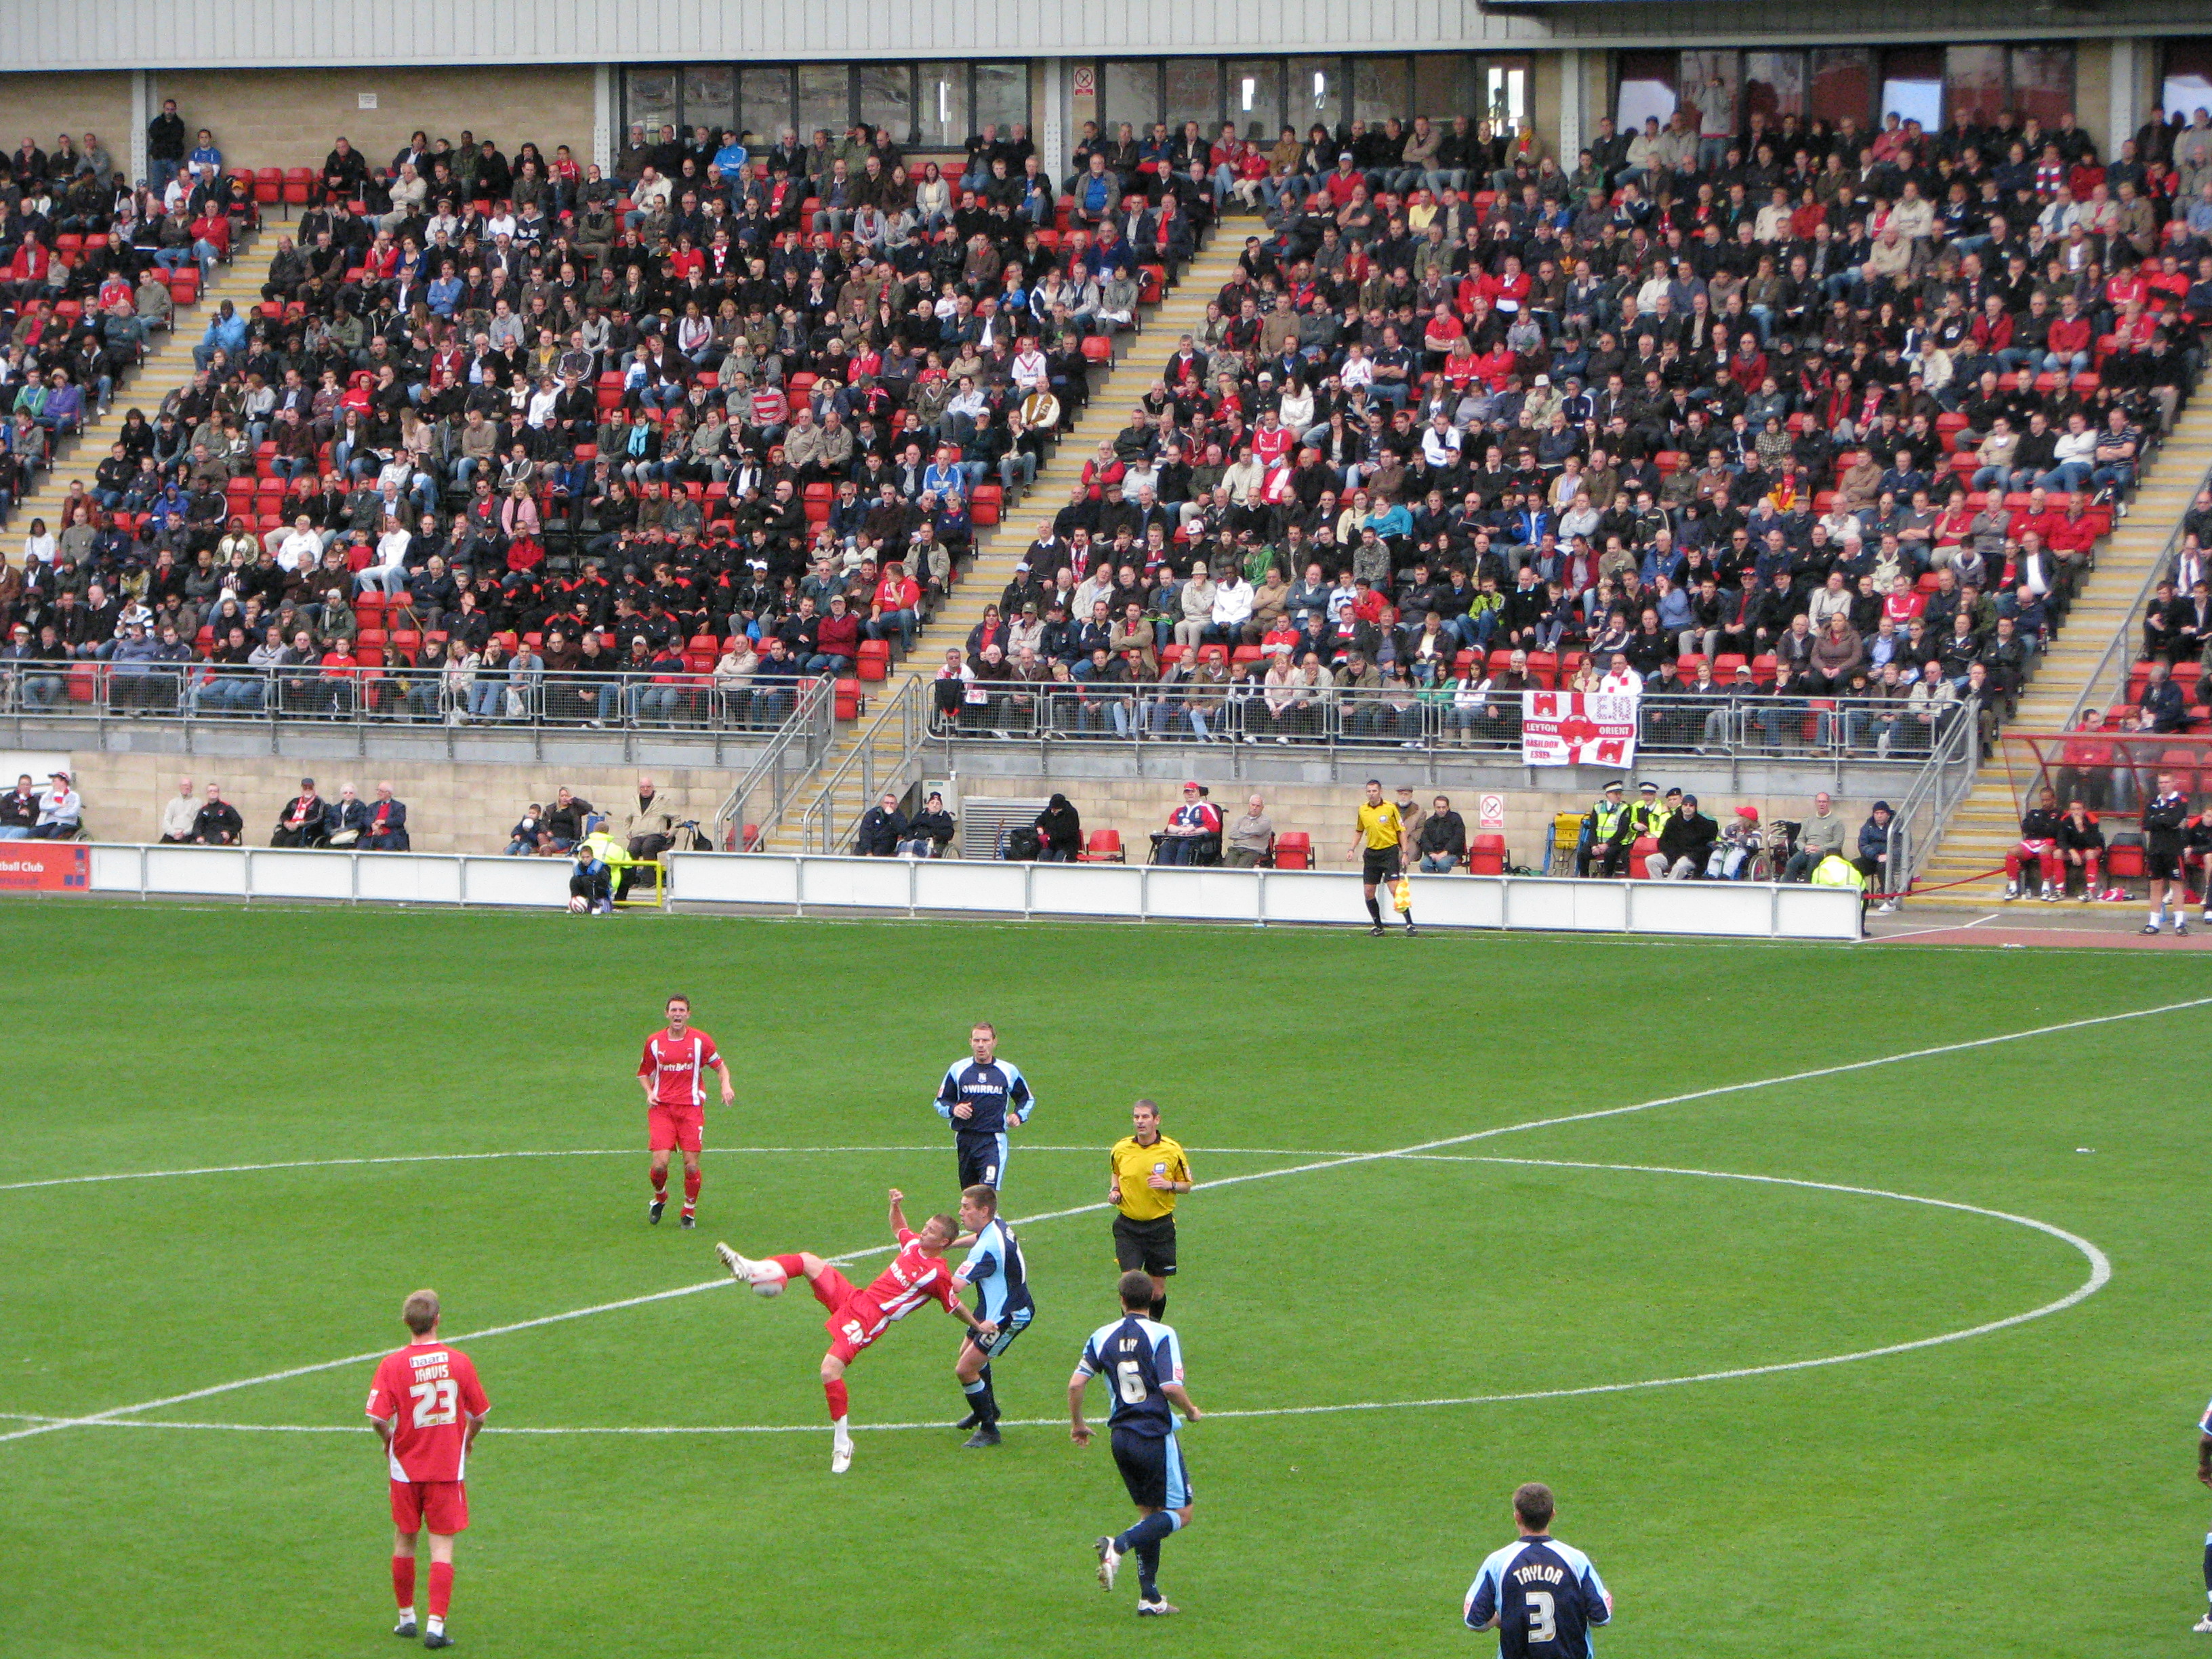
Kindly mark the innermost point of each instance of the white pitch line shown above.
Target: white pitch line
(2100, 1273)
(1438, 1144)
(586, 1151)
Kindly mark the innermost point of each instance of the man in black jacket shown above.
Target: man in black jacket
(217, 823)
(1442, 843)
(1685, 844)
(883, 826)
(303, 823)
(165, 145)
(930, 830)
(2163, 820)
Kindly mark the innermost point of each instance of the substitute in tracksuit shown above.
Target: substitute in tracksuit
(982, 1097)
(995, 1268)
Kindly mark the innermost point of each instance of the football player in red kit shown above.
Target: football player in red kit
(673, 1074)
(918, 1273)
(427, 1406)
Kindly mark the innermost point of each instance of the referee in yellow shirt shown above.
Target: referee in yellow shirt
(1149, 1172)
(1379, 841)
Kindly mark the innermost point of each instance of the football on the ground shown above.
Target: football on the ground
(578, 904)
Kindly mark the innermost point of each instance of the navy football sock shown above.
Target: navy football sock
(1148, 1570)
(2208, 1565)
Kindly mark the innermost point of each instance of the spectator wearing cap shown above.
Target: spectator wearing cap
(1872, 859)
(1685, 844)
(304, 820)
(61, 813)
(1411, 817)
(1733, 852)
(1194, 831)
(929, 831)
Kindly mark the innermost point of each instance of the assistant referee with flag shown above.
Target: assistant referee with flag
(1149, 1173)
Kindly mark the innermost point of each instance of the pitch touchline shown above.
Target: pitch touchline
(1438, 1144)
(2100, 1270)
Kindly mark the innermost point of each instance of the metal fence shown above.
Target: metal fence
(102, 692)
(826, 826)
(1944, 779)
(1827, 729)
(799, 747)
(2105, 685)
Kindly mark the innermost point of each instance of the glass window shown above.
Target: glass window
(1314, 93)
(1505, 94)
(2043, 83)
(940, 109)
(1700, 69)
(1194, 93)
(650, 96)
(710, 96)
(1843, 83)
(1131, 93)
(1443, 86)
(1256, 96)
(1773, 84)
(2185, 85)
(1381, 87)
(1912, 85)
(1647, 89)
(1974, 81)
(1002, 95)
(764, 103)
(887, 99)
(825, 99)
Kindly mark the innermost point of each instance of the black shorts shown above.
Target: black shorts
(1152, 1469)
(1378, 865)
(982, 1160)
(1150, 1245)
(2161, 866)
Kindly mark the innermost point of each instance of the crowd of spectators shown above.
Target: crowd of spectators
(30, 813)
(1806, 412)
(665, 419)
(195, 818)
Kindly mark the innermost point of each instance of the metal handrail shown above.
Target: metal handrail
(2122, 645)
(808, 730)
(819, 829)
(1943, 781)
(1731, 726)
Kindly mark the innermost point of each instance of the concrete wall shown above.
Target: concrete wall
(450, 809)
(288, 118)
(45, 105)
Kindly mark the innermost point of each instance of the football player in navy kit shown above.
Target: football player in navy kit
(983, 1096)
(1542, 1596)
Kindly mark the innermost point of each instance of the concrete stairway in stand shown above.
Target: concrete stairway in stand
(1000, 547)
(168, 366)
(1986, 825)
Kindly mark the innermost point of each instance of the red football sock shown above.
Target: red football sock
(661, 1183)
(402, 1580)
(691, 1189)
(794, 1266)
(838, 1407)
(442, 1588)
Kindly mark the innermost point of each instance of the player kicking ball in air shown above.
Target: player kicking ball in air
(1142, 1362)
(918, 1273)
(673, 1074)
(427, 1407)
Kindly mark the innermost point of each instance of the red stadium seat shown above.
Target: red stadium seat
(1104, 846)
(1294, 850)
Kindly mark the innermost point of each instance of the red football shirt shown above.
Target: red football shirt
(428, 1391)
(911, 1279)
(678, 1066)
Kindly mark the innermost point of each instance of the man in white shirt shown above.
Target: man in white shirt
(60, 811)
(178, 816)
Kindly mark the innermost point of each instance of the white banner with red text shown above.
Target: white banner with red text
(1578, 728)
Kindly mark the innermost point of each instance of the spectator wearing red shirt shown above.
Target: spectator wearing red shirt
(2068, 341)
(837, 643)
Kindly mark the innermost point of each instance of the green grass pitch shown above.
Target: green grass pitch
(1948, 1500)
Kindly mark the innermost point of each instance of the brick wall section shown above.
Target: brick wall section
(288, 118)
(45, 105)
(450, 809)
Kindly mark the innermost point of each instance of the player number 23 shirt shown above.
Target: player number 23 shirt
(427, 1392)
